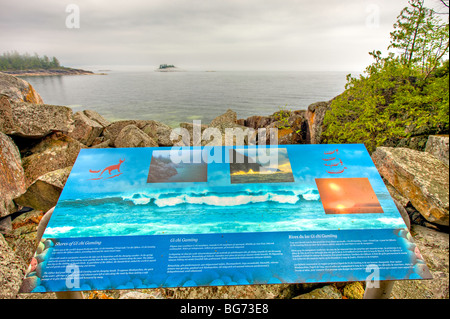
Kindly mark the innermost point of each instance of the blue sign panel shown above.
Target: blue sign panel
(204, 216)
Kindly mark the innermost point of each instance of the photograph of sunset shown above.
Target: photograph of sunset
(348, 196)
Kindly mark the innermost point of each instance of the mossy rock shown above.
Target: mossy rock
(354, 290)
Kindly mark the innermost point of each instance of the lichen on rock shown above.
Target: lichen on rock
(418, 176)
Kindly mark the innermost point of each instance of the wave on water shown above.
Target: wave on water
(203, 198)
(58, 230)
(150, 212)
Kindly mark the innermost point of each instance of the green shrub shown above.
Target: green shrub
(388, 105)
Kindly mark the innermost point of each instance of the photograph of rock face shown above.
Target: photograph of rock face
(270, 166)
(165, 169)
(348, 196)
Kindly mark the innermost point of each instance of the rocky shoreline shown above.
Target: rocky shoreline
(40, 142)
(171, 69)
(50, 72)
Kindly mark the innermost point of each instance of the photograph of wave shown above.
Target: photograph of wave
(274, 168)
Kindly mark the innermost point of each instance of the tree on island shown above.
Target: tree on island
(402, 94)
(14, 61)
(165, 66)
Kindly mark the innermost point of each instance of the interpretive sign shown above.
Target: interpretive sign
(202, 216)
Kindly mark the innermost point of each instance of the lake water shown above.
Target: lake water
(177, 97)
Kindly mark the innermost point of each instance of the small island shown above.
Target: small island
(168, 68)
(17, 64)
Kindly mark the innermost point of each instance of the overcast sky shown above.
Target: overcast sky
(203, 34)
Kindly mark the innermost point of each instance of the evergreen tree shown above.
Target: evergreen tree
(55, 63)
(10, 61)
(401, 94)
(420, 36)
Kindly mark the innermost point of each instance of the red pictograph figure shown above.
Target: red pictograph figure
(109, 169)
(335, 151)
(332, 165)
(338, 172)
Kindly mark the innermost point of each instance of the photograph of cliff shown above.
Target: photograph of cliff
(165, 169)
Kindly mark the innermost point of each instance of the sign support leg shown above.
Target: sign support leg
(40, 231)
(382, 292)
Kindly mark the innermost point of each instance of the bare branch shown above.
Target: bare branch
(437, 59)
